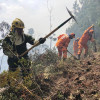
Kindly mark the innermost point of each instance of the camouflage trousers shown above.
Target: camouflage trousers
(23, 63)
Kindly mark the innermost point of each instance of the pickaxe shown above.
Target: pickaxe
(37, 43)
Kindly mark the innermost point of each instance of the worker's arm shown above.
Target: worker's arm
(29, 39)
(89, 28)
(67, 42)
(32, 41)
(74, 45)
(7, 47)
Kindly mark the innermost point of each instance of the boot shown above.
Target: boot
(78, 56)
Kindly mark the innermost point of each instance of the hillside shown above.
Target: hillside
(68, 80)
(79, 80)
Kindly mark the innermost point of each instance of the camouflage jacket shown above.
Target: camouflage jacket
(9, 46)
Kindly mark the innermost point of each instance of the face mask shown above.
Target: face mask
(19, 31)
(17, 37)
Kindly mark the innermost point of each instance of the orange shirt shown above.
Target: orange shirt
(85, 37)
(63, 40)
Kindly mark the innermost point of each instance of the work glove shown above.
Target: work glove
(42, 40)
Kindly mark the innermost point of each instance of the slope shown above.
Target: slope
(78, 81)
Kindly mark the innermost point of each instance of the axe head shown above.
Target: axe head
(71, 15)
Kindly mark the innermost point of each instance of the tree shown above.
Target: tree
(4, 29)
(86, 15)
(31, 31)
(76, 8)
(50, 9)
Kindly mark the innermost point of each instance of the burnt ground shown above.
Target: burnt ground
(68, 80)
(77, 80)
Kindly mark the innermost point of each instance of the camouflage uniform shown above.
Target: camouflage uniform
(16, 49)
(15, 44)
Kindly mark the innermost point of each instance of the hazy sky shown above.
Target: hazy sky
(35, 14)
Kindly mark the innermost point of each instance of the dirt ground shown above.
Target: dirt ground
(81, 81)
(71, 80)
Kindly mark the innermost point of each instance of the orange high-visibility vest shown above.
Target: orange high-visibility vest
(63, 40)
(85, 37)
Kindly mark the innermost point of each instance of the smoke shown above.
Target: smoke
(0, 8)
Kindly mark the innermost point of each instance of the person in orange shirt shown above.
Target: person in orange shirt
(87, 35)
(62, 44)
(75, 46)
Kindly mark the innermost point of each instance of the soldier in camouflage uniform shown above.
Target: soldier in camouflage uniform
(15, 44)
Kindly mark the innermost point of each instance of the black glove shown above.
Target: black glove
(42, 40)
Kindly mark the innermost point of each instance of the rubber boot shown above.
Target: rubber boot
(78, 56)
